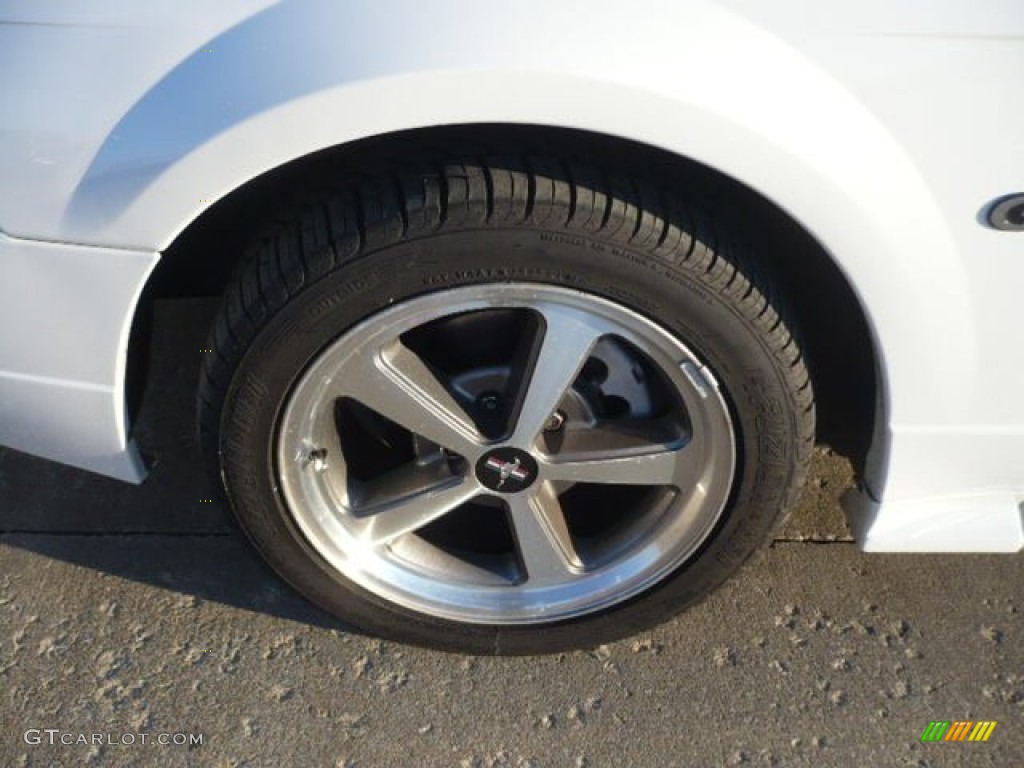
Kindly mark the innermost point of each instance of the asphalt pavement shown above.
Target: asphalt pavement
(139, 614)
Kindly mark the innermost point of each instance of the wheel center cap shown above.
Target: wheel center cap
(506, 470)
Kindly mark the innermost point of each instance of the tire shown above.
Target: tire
(441, 303)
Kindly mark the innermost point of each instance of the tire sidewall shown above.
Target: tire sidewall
(675, 296)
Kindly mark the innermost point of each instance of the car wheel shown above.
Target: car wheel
(511, 406)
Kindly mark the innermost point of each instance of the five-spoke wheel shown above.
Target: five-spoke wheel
(506, 453)
(489, 409)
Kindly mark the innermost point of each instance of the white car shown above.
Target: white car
(525, 304)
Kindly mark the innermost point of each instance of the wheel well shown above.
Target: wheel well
(831, 324)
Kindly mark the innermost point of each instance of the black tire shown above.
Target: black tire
(327, 264)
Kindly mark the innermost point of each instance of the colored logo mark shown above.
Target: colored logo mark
(958, 730)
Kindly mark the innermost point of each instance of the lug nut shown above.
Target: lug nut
(489, 401)
(555, 422)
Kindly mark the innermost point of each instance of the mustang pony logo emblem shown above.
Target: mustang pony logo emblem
(507, 469)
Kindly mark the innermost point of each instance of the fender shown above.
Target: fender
(229, 112)
(263, 84)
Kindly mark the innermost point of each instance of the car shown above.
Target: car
(531, 312)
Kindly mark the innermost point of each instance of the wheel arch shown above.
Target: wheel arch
(201, 258)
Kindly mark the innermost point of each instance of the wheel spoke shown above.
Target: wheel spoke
(386, 520)
(569, 335)
(545, 544)
(663, 467)
(627, 453)
(399, 386)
